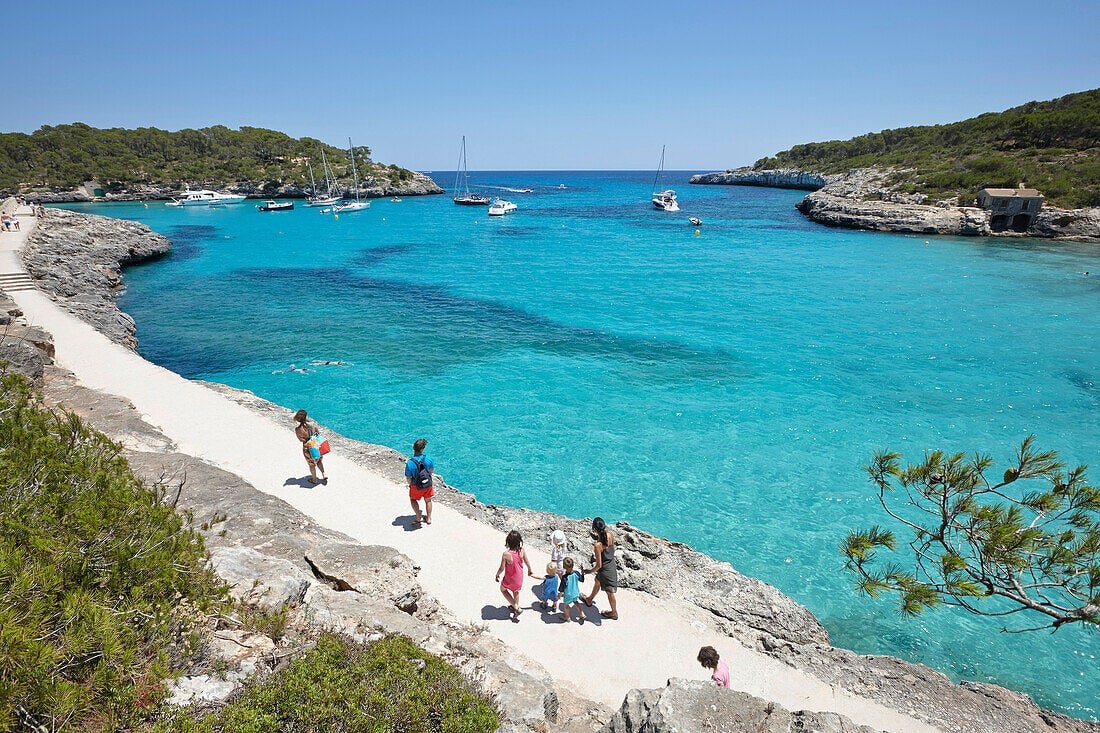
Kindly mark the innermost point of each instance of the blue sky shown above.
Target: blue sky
(563, 85)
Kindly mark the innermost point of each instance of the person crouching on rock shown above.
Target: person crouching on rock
(304, 432)
(419, 471)
(720, 671)
(511, 566)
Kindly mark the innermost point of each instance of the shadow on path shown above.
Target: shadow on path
(406, 522)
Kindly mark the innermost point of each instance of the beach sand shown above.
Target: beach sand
(653, 641)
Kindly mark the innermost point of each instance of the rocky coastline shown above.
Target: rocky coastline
(417, 184)
(770, 178)
(257, 544)
(863, 199)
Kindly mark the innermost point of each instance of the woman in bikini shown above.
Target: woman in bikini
(606, 569)
(303, 433)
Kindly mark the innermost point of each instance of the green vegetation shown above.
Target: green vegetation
(1053, 146)
(995, 548)
(105, 593)
(339, 685)
(101, 581)
(64, 156)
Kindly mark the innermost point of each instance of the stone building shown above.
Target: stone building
(1010, 208)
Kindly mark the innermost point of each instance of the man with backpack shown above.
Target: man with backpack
(418, 472)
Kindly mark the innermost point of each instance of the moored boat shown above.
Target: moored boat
(329, 198)
(465, 198)
(500, 207)
(275, 206)
(663, 200)
(205, 197)
(356, 205)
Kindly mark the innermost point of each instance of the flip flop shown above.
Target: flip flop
(586, 601)
(427, 520)
(608, 614)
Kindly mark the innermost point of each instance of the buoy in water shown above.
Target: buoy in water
(697, 232)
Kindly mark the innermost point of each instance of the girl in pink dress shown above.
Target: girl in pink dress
(511, 566)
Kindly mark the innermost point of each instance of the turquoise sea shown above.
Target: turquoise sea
(590, 355)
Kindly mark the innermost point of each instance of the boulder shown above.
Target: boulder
(259, 579)
(20, 357)
(689, 706)
(1081, 224)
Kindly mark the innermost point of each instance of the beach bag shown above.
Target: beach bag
(422, 475)
(313, 445)
(325, 448)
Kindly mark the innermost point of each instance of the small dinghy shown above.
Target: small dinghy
(695, 220)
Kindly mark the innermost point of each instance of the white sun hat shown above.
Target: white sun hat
(557, 537)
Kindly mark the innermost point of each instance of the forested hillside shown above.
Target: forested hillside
(1053, 146)
(64, 156)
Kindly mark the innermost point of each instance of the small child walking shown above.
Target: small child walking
(551, 587)
(557, 549)
(571, 590)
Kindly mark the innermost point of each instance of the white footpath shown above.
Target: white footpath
(652, 641)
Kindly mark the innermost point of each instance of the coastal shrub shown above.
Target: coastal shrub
(1053, 146)
(101, 580)
(340, 685)
(64, 156)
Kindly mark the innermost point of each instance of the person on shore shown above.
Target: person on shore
(606, 569)
(419, 473)
(551, 588)
(304, 431)
(557, 549)
(720, 671)
(511, 567)
(571, 590)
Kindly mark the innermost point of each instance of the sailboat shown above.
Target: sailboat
(663, 200)
(466, 198)
(356, 205)
(329, 198)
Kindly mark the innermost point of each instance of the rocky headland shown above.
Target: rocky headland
(417, 184)
(777, 178)
(863, 199)
(259, 545)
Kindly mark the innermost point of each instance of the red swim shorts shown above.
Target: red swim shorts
(417, 494)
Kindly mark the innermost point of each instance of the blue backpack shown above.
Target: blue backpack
(422, 475)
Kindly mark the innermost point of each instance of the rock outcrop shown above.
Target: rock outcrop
(78, 259)
(777, 178)
(417, 184)
(687, 706)
(24, 349)
(1077, 224)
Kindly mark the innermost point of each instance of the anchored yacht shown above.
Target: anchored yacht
(205, 197)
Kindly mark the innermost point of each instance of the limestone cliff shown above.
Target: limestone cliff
(778, 178)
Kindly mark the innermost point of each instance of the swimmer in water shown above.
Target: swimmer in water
(320, 362)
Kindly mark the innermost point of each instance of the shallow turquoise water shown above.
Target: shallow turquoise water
(589, 355)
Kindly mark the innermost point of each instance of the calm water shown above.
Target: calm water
(588, 355)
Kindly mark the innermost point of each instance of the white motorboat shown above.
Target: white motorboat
(204, 197)
(356, 205)
(500, 207)
(663, 200)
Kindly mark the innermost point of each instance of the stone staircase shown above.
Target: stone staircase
(16, 281)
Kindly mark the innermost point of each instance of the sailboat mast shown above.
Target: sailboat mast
(312, 182)
(354, 172)
(458, 168)
(324, 164)
(659, 169)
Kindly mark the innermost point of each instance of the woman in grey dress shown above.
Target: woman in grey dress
(606, 569)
